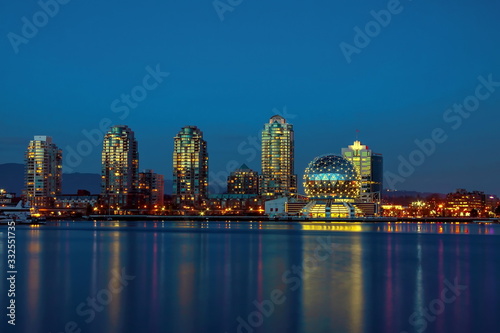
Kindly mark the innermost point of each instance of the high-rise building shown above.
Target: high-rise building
(278, 174)
(190, 166)
(43, 172)
(151, 186)
(369, 166)
(120, 168)
(243, 181)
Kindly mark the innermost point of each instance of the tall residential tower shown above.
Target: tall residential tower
(120, 168)
(190, 166)
(43, 172)
(278, 174)
(370, 169)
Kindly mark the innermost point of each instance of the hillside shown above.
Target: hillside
(12, 180)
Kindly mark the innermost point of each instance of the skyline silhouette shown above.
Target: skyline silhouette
(182, 65)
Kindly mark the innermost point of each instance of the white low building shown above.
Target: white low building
(276, 207)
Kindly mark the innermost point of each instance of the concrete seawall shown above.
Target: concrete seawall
(293, 219)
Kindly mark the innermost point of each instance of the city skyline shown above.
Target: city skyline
(217, 185)
(242, 166)
(345, 185)
(73, 77)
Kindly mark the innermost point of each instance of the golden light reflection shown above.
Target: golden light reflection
(34, 271)
(333, 227)
(344, 304)
(356, 295)
(114, 265)
(428, 227)
(186, 279)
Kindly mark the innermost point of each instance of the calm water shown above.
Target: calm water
(253, 277)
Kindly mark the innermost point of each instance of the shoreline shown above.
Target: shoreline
(293, 219)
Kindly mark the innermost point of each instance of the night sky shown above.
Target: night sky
(228, 76)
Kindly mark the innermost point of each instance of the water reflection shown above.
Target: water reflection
(115, 265)
(351, 227)
(209, 276)
(34, 249)
(440, 228)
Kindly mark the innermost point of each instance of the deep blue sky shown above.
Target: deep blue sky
(227, 76)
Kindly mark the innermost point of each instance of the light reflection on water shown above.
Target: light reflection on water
(203, 276)
(405, 227)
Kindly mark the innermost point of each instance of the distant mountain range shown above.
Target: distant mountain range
(406, 197)
(12, 180)
(415, 194)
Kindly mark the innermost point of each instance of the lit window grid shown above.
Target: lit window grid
(190, 165)
(120, 165)
(43, 172)
(363, 160)
(243, 182)
(277, 159)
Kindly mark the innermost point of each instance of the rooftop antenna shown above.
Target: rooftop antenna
(357, 135)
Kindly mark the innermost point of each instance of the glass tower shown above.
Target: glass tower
(278, 177)
(43, 172)
(190, 166)
(120, 168)
(369, 167)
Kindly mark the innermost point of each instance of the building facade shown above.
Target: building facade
(190, 167)
(6, 198)
(464, 203)
(43, 172)
(278, 176)
(72, 204)
(234, 204)
(120, 169)
(243, 181)
(151, 187)
(369, 166)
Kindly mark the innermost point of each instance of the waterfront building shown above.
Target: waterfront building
(190, 167)
(332, 183)
(286, 206)
(234, 204)
(43, 172)
(492, 202)
(243, 181)
(6, 198)
(369, 166)
(278, 176)
(76, 204)
(120, 169)
(464, 203)
(151, 187)
(331, 177)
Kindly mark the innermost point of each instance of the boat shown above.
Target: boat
(20, 214)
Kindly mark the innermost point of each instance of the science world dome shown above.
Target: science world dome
(331, 177)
